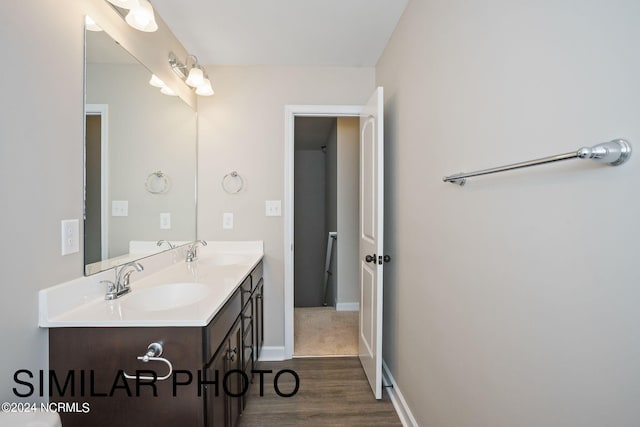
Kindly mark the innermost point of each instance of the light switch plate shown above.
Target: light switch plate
(273, 208)
(119, 208)
(227, 220)
(165, 221)
(70, 232)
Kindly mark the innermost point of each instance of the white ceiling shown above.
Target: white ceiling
(283, 32)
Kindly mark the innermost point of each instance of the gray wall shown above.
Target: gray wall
(41, 133)
(310, 226)
(331, 211)
(513, 300)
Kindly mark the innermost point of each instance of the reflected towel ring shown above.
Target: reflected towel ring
(157, 183)
(232, 183)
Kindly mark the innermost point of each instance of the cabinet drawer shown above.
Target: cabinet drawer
(216, 331)
(256, 275)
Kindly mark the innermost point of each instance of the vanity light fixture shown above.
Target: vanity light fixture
(140, 15)
(192, 73)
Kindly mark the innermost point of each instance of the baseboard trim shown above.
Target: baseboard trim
(348, 306)
(404, 413)
(272, 354)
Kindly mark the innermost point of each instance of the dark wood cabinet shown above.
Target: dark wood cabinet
(225, 386)
(87, 365)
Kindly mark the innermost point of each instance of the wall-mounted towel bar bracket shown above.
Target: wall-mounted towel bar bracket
(614, 152)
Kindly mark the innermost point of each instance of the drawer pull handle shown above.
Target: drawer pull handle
(232, 354)
(152, 355)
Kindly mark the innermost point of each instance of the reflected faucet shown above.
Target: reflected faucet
(192, 250)
(171, 245)
(121, 286)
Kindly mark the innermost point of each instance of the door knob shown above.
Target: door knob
(386, 258)
(370, 258)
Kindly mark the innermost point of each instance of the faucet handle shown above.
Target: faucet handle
(111, 289)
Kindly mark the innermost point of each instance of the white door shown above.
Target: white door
(371, 234)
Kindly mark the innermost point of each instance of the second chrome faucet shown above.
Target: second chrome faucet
(192, 250)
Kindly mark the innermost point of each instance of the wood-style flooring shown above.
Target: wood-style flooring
(333, 392)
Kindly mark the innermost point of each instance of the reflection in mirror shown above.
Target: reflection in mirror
(140, 160)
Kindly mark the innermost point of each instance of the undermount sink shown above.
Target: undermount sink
(165, 297)
(227, 259)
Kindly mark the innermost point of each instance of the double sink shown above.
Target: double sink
(178, 294)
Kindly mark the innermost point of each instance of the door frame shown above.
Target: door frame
(101, 110)
(290, 114)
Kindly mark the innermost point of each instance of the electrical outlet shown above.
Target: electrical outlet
(273, 208)
(70, 232)
(227, 220)
(119, 208)
(165, 221)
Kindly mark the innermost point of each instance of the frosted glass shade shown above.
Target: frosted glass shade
(168, 91)
(205, 88)
(156, 82)
(141, 17)
(90, 24)
(195, 78)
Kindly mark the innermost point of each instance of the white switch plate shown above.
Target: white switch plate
(119, 208)
(165, 221)
(227, 220)
(273, 208)
(70, 232)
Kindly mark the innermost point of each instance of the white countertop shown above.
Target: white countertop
(81, 303)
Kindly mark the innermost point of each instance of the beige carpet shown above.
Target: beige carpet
(323, 331)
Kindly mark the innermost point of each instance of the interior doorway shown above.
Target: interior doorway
(96, 208)
(326, 291)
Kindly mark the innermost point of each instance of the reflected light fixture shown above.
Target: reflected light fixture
(140, 15)
(168, 91)
(192, 73)
(90, 24)
(156, 82)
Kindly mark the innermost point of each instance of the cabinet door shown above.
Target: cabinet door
(235, 382)
(215, 401)
(258, 320)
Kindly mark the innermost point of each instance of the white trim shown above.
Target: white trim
(290, 113)
(102, 110)
(348, 306)
(399, 403)
(272, 354)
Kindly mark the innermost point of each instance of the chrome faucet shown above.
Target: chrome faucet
(121, 286)
(171, 245)
(192, 250)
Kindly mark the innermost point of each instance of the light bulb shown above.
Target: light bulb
(156, 82)
(196, 77)
(205, 88)
(141, 17)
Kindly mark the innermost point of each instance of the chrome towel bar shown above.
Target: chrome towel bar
(614, 152)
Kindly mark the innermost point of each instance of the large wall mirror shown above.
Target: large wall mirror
(140, 160)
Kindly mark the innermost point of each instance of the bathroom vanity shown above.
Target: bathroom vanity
(207, 318)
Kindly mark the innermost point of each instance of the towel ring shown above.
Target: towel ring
(157, 183)
(232, 183)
